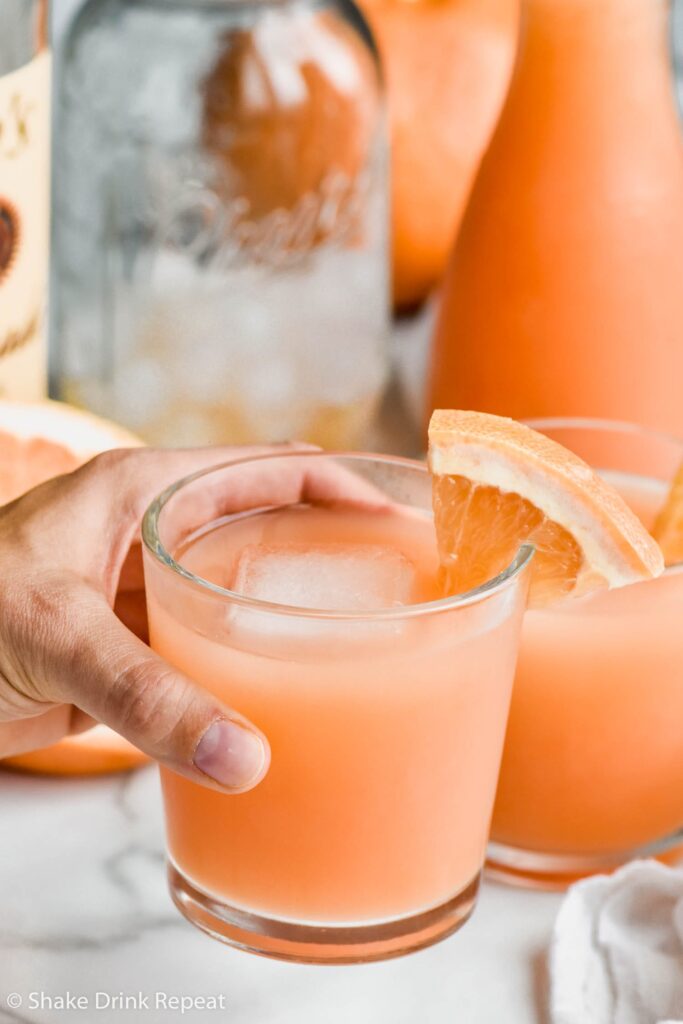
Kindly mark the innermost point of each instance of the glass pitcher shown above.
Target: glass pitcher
(564, 294)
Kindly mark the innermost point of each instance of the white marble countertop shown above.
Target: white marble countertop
(84, 909)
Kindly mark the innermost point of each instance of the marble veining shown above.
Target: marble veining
(84, 910)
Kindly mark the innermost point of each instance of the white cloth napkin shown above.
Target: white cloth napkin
(617, 949)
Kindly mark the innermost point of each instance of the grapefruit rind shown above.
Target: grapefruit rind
(82, 433)
(497, 452)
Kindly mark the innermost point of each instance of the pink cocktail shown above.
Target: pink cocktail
(592, 771)
(384, 705)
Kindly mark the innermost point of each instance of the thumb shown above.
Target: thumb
(122, 683)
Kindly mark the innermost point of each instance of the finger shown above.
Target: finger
(255, 480)
(263, 482)
(116, 488)
(114, 481)
(110, 674)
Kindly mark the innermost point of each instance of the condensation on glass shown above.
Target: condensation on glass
(222, 220)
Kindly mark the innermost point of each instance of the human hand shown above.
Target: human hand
(70, 554)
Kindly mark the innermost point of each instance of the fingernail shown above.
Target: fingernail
(231, 755)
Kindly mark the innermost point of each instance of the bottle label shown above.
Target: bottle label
(24, 228)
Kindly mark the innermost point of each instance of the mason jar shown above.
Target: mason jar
(222, 220)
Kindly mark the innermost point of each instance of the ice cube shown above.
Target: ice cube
(336, 577)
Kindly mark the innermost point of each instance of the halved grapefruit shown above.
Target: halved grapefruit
(499, 484)
(38, 441)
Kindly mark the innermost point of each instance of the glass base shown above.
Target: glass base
(556, 871)
(317, 944)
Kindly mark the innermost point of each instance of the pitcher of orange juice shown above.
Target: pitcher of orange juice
(564, 293)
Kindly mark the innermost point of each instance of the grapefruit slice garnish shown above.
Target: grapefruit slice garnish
(498, 484)
(668, 527)
(39, 440)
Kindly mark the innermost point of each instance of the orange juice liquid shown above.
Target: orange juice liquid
(564, 293)
(385, 735)
(593, 758)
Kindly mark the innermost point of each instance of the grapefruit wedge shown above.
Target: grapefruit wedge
(498, 484)
(38, 441)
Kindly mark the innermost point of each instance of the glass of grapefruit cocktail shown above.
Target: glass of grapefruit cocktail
(592, 772)
(303, 589)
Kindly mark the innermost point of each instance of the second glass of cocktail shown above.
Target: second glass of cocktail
(592, 771)
(302, 589)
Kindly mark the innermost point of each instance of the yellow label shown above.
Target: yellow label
(24, 228)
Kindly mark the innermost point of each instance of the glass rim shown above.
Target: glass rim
(623, 427)
(605, 425)
(152, 542)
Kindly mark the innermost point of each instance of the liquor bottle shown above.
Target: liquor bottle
(564, 295)
(24, 197)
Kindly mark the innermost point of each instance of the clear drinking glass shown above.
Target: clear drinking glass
(367, 836)
(592, 771)
(221, 222)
